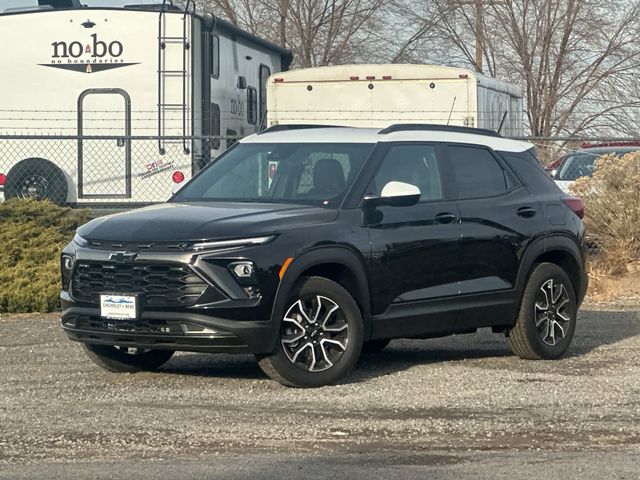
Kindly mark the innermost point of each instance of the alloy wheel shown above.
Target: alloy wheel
(314, 333)
(551, 312)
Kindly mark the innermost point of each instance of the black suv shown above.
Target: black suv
(307, 246)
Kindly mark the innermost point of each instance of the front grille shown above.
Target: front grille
(162, 284)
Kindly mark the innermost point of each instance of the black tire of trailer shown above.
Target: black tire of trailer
(36, 178)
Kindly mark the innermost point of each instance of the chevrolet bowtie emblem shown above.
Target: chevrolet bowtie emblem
(123, 257)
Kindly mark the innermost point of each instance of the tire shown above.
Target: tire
(312, 352)
(549, 300)
(115, 359)
(375, 346)
(38, 179)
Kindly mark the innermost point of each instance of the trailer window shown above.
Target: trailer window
(214, 56)
(214, 125)
(252, 105)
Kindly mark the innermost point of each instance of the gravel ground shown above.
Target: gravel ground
(443, 408)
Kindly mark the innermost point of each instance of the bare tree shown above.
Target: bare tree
(319, 32)
(571, 54)
(575, 59)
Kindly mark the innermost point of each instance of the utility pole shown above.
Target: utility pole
(479, 24)
(479, 34)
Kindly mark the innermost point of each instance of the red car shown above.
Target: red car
(555, 165)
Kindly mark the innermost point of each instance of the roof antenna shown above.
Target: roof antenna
(504, 117)
(451, 111)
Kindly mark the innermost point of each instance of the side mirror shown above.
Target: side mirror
(394, 194)
(242, 83)
(554, 173)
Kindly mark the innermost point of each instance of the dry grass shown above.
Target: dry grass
(612, 219)
(612, 201)
(605, 287)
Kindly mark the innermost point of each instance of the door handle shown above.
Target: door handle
(445, 217)
(527, 212)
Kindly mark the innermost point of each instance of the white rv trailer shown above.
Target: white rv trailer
(380, 95)
(112, 69)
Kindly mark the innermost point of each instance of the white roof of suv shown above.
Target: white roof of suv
(375, 135)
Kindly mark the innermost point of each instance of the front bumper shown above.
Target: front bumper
(230, 321)
(169, 331)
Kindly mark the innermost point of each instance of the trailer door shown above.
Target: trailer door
(104, 165)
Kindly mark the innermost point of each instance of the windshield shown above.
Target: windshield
(307, 173)
(576, 166)
(582, 164)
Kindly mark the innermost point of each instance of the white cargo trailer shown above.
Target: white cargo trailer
(106, 68)
(380, 95)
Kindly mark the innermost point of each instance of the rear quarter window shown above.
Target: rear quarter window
(529, 170)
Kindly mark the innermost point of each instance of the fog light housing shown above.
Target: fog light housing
(244, 270)
(66, 266)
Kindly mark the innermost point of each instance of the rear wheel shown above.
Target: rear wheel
(125, 359)
(547, 318)
(38, 179)
(320, 336)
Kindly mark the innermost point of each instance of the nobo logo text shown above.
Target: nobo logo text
(96, 48)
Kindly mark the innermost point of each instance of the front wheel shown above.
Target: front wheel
(320, 336)
(547, 317)
(124, 359)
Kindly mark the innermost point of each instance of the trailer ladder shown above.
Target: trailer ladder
(170, 100)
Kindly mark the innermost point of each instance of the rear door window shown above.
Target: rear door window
(475, 172)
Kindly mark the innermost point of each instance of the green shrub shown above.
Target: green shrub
(32, 234)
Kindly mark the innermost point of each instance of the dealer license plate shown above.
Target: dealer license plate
(119, 307)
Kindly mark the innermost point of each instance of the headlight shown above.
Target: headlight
(78, 240)
(241, 242)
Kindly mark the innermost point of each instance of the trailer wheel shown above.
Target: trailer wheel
(38, 179)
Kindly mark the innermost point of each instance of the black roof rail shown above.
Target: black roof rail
(296, 126)
(406, 127)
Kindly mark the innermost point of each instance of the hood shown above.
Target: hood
(202, 221)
